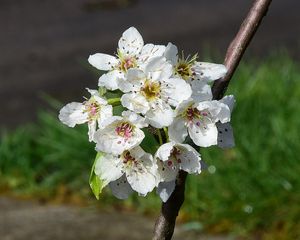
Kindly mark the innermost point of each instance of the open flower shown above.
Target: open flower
(190, 69)
(152, 92)
(133, 169)
(92, 111)
(198, 120)
(131, 53)
(120, 133)
(172, 157)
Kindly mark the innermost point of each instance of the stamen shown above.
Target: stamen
(124, 130)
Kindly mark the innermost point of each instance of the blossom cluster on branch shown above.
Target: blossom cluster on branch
(153, 106)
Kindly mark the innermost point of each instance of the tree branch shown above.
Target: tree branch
(165, 224)
(239, 44)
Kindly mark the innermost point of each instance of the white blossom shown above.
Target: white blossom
(131, 53)
(120, 133)
(92, 111)
(198, 120)
(132, 170)
(152, 92)
(172, 157)
(190, 69)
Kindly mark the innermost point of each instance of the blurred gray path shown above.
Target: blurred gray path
(42, 42)
(24, 220)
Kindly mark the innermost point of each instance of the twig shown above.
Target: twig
(165, 224)
(239, 44)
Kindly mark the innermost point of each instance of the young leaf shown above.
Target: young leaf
(95, 182)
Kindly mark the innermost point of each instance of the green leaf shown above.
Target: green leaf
(95, 182)
(149, 143)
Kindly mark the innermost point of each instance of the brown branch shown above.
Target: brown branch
(165, 224)
(239, 44)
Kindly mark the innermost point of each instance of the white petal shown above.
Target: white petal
(225, 135)
(176, 90)
(133, 80)
(160, 114)
(111, 80)
(201, 91)
(72, 114)
(171, 53)
(182, 107)
(106, 122)
(93, 92)
(204, 137)
(224, 113)
(139, 153)
(134, 118)
(177, 130)
(92, 129)
(167, 170)
(109, 168)
(105, 113)
(131, 42)
(219, 111)
(164, 151)
(209, 71)
(141, 177)
(229, 101)
(190, 159)
(150, 50)
(120, 188)
(135, 102)
(141, 182)
(146, 159)
(165, 189)
(99, 99)
(103, 61)
(158, 68)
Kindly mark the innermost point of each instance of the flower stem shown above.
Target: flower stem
(166, 133)
(114, 101)
(159, 137)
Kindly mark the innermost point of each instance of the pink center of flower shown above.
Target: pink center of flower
(127, 63)
(92, 108)
(193, 113)
(124, 130)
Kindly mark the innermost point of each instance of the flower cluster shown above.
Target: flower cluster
(162, 109)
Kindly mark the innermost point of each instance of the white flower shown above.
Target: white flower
(198, 119)
(92, 111)
(131, 53)
(225, 132)
(172, 157)
(120, 133)
(189, 69)
(152, 92)
(133, 169)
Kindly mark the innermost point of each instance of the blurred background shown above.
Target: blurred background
(249, 192)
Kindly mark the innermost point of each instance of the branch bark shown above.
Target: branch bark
(239, 45)
(165, 224)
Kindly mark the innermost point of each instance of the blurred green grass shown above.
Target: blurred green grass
(252, 188)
